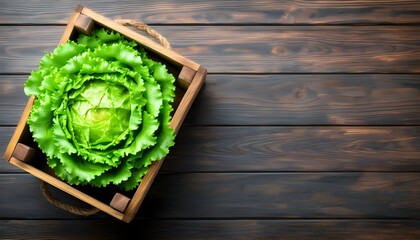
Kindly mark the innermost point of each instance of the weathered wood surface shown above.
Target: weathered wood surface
(222, 12)
(309, 100)
(322, 195)
(271, 149)
(213, 229)
(252, 49)
(307, 126)
(267, 149)
(280, 99)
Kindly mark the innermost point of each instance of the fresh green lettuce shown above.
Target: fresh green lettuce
(102, 110)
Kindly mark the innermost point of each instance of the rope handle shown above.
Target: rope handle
(93, 210)
(66, 206)
(144, 28)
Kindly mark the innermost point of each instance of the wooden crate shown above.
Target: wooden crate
(23, 152)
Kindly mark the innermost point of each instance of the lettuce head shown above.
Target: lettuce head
(102, 110)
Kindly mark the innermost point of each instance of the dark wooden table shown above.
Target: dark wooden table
(308, 126)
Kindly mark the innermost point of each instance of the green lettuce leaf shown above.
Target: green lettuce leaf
(102, 110)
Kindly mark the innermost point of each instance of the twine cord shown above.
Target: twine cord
(93, 210)
(144, 28)
(66, 206)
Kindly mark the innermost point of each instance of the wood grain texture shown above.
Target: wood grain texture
(31, 197)
(323, 195)
(267, 149)
(5, 135)
(308, 99)
(252, 49)
(12, 99)
(294, 195)
(307, 126)
(213, 229)
(221, 12)
(284, 99)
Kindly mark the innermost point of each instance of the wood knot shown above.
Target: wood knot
(301, 93)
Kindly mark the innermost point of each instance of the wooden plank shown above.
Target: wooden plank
(213, 229)
(286, 99)
(224, 149)
(5, 135)
(316, 195)
(18, 51)
(307, 100)
(291, 49)
(223, 12)
(252, 49)
(292, 195)
(12, 98)
(23, 200)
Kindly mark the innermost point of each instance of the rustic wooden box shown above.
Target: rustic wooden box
(23, 152)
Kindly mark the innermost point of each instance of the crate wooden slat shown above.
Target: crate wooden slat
(146, 42)
(190, 78)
